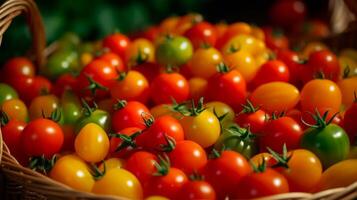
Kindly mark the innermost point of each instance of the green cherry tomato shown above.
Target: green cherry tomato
(174, 51)
(100, 117)
(71, 107)
(328, 141)
(7, 92)
(237, 139)
(60, 62)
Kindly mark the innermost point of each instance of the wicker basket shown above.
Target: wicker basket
(23, 183)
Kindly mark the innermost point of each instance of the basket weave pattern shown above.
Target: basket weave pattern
(23, 183)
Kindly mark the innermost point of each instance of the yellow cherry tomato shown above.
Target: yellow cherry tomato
(197, 87)
(140, 49)
(15, 109)
(72, 171)
(119, 182)
(164, 109)
(204, 128)
(350, 63)
(204, 62)
(242, 61)
(43, 105)
(348, 86)
(276, 96)
(111, 163)
(244, 43)
(92, 143)
(156, 198)
(221, 109)
(312, 47)
(341, 174)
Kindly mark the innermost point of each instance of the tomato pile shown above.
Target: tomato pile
(186, 109)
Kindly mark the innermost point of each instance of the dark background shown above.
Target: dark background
(93, 19)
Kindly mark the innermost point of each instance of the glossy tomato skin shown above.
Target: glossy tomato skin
(202, 33)
(349, 122)
(74, 172)
(167, 86)
(273, 70)
(117, 43)
(173, 50)
(276, 133)
(275, 39)
(40, 85)
(226, 171)
(302, 161)
(116, 142)
(188, 156)
(42, 137)
(197, 190)
(98, 116)
(43, 105)
(255, 121)
(261, 184)
(132, 87)
(163, 127)
(7, 93)
(221, 109)
(326, 62)
(23, 85)
(231, 83)
(17, 67)
(142, 165)
(275, 96)
(204, 62)
(131, 115)
(168, 185)
(114, 60)
(291, 59)
(15, 109)
(11, 134)
(119, 178)
(330, 143)
(139, 48)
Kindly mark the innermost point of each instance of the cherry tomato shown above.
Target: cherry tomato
(291, 59)
(60, 62)
(227, 82)
(174, 51)
(197, 190)
(341, 174)
(166, 109)
(221, 109)
(131, 86)
(119, 178)
(117, 43)
(251, 117)
(244, 42)
(68, 138)
(324, 62)
(114, 60)
(259, 184)
(348, 86)
(233, 30)
(74, 172)
(168, 25)
(244, 62)
(23, 86)
(275, 39)
(202, 33)
(168, 86)
(112, 163)
(92, 143)
(204, 62)
(40, 85)
(17, 67)
(226, 171)
(148, 69)
(188, 156)
(202, 128)
(275, 96)
(349, 122)
(313, 47)
(117, 142)
(43, 106)
(15, 109)
(197, 87)
(163, 127)
(42, 137)
(63, 83)
(11, 134)
(276, 133)
(142, 165)
(273, 70)
(71, 107)
(140, 49)
(287, 13)
(7, 93)
(186, 22)
(129, 114)
(267, 157)
(93, 115)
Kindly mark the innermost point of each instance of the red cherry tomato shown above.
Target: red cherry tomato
(11, 134)
(291, 59)
(197, 190)
(287, 13)
(17, 67)
(116, 142)
(275, 39)
(349, 122)
(114, 60)
(273, 70)
(117, 43)
(64, 82)
(251, 117)
(41, 85)
(142, 165)
(276, 133)
(188, 156)
(42, 137)
(226, 171)
(149, 69)
(202, 33)
(129, 114)
(167, 86)
(224, 83)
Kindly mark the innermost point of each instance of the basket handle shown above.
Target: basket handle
(13, 8)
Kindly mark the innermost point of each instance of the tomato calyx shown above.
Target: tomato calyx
(205, 45)
(140, 58)
(276, 115)
(120, 104)
(243, 134)
(170, 144)
(233, 48)
(177, 107)
(96, 173)
(260, 168)
(163, 166)
(282, 159)
(196, 110)
(94, 86)
(195, 176)
(4, 118)
(148, 119)
(215, 153)
(127, 141)
(42, 164)
(249, 108)
(346, 72)
(88, 110)
(122, 76)
(54, 116)
(223, 68)
(321, 121)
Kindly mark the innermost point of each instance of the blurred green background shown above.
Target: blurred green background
(93, 19)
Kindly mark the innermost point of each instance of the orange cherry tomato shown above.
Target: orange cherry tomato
(244, 62)
(43, 105)
(204, 62)
(140, 49)
(348, 87)
(15, 109)
(197, 87)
